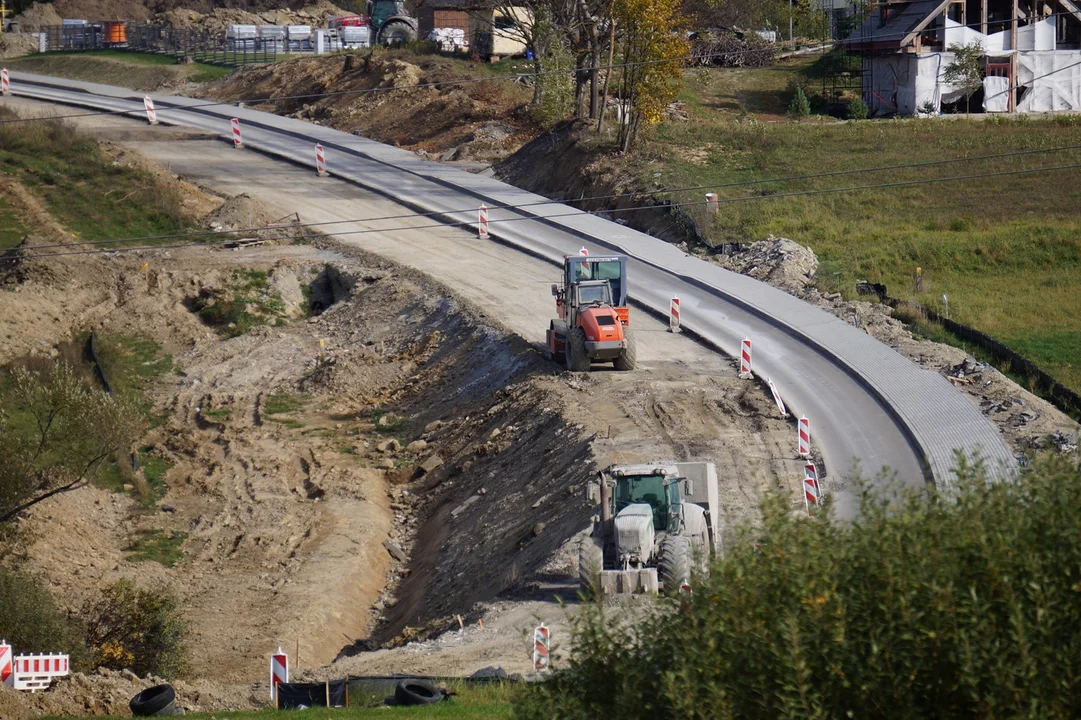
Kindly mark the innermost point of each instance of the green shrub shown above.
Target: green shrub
(30, 620)
(800, 106)
(139, 629)
(857, 110)
(921, 607)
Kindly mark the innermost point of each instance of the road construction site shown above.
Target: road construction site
(374, 510)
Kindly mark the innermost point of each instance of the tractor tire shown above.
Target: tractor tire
(159, 700)
(396, 32)
(576, 355)
(590, 564)
(629, 357)
(416, 692)
(675, 563)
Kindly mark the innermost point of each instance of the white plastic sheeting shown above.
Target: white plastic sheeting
(1050, 81)
(996, 94)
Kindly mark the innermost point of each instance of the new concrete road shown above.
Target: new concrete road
(870, 408)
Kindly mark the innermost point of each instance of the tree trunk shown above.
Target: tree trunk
(611, 60)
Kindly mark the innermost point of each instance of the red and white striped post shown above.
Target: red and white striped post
(804, 437)
(482, 228)
(151, 114)
(320, 161)
(235, 122)
(5, 82)
(777, 398)
(745, 359)
(279, 671)
(5, 663)
(541, 639)
(583, 252)
(673, 317)
(811, 492)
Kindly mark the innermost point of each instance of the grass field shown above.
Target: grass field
(12, 228)
(1006, 250)
(142, 71)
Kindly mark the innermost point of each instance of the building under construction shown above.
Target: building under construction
(1031, 55)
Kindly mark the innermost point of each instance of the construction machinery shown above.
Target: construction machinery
(658, 522)
(594, 318)
(388, 21)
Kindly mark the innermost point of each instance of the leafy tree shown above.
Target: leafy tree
(653, 50)
(56, 432)
(31, 622)
(139, 629)
(964, 71)
(857, 109)
(800, 106)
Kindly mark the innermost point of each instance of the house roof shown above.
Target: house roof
(459, 4)
(903, 21)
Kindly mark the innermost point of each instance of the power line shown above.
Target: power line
(800, 193)
(614, 196)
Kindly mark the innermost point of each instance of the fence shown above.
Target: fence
(199, 45)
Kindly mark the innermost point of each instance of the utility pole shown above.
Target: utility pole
(791, 9)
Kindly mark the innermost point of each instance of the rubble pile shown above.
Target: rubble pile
(216, 21)
(781, 262)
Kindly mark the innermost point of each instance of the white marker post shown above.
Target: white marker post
(151, 114)
(482, 227)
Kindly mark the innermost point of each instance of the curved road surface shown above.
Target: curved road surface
(871, 409)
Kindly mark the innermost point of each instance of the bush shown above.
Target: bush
(857, 110)
(31, 622)
(800, 106)
(921, 607)
(137, 629)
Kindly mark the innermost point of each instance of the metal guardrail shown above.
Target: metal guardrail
(200, 45)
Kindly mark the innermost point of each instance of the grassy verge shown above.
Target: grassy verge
(144, 71)
(12, 229)
(90, 196)
(1006, 250)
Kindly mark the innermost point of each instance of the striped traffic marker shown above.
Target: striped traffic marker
(482, 228)
(673, 317)
(5, 82)
(320, 161)
(804, 437)
(583, 252)
(541, 639)
(5, 663)
(235, 122)
(811, 492)
(279, 671)
(151, 114)
(745, 359)
(777, 398)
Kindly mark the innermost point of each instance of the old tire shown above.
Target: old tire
(396, 32)
(590, 565)
(159, 700)
(629, 357)
(416, 692)
(675, 563)
(576, 355)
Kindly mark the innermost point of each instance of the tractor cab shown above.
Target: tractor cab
(657, 487)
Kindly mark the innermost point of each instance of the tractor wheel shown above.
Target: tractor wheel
(576, 355)
(629, 357)
(590, 564)
(396, 32)
(675, 563)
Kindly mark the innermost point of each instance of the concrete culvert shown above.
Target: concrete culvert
(156, 701)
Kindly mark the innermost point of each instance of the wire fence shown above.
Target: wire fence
(198, 45)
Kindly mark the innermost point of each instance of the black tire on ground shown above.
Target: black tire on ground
(416, 692)
(590, 564)
(157, 700)
(675, 563)
(396, 32)
(576, 355)
(629, 357)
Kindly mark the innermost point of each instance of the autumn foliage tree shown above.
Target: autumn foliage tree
(654, 47)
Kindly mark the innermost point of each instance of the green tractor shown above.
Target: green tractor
(391, 23)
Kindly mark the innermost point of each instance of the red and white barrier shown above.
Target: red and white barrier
(279, 671)
(777, 398)
(482, 228)
(745, 359)
(320, 161)
(151, 113)
(804, 437)
(673, 317)
(583, 252)
(5, 663)
(541, 638)
(5, 82)
(36, 672)
(235, 122)
(811, 492)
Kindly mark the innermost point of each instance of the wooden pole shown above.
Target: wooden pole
(983, 16)
(1013, 59)
(328, 693)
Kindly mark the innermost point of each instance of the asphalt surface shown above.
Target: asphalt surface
(872, 411)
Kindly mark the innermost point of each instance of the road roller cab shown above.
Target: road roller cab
(594, 319)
